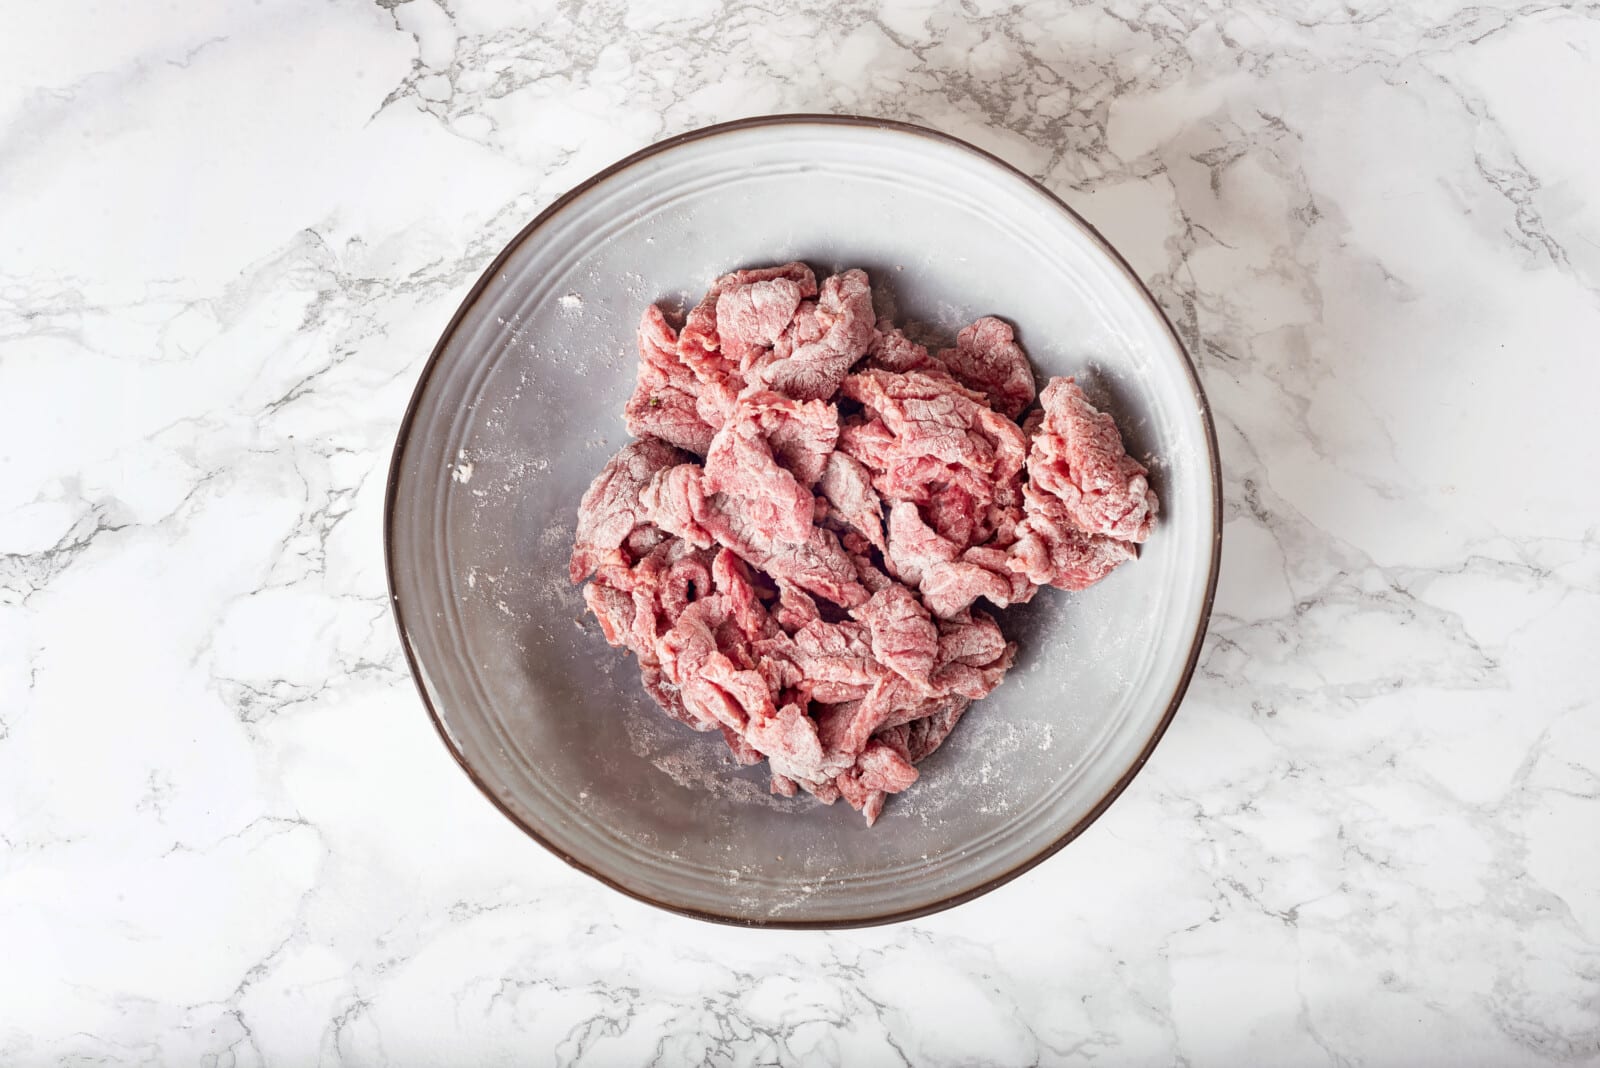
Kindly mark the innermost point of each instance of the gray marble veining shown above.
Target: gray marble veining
(230, 234)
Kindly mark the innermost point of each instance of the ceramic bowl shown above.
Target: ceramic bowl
(520, 405)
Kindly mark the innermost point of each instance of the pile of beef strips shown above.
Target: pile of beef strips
(795, 544)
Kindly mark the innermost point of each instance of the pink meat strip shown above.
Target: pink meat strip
(674, 500)
(795, 609)
(714, 689)
(611, 510)
(954, 513)
(699, 344)
(681, 502)
(751, 317)
(667, 401)
(925, 431)
(988, 359)
(914, 546)
(949, 588)
(801, 434)
(835, 660)
(1051, 550)
(1077, 457)
(847, 487)
(819, 565)
(656, 590)
(740, 465)
(862, 556)
(891, 350)
(789, 740)
(813, 369)
(904, 638)
(926, 735)
(973, 639)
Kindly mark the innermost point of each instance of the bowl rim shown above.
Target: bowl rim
(1213, 460)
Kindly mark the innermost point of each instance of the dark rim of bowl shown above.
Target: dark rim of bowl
(900, 915)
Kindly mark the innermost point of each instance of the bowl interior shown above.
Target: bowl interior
(521, 407)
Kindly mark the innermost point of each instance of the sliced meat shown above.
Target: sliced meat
(681, 502)
(1051, 550)
(911, 712)
(664, 604)
(847, 486)
(668, 697)
(896, 738)
(817, 565)
(666, 402)
(845, 727)
(612, 609)
(730, 577)
(825, 792)
(926, 735)
(1078, 458)
(879, 772)
(997, 525)
(643, 540)
(806, 328)
(954, 513)
(836, 660)
(798, 273)
(904, 638)
(660, 408)
(807, 590)
(924, 431)
(972, 638)
(988, 359)
(701, 351)
(610, 510)
(713, 688)
(965, 680)
(861, 556)
(913, 545)
(743, 752)
(741, 466)
(881, 768)
(801, 434)
(789, 740)
(998, 561)
(683, 578)
(674, 501)
(891, 350)
(795, 609)
(750, 317)
(699, 345)
(950, 587)
(812, 370)
(661, 586)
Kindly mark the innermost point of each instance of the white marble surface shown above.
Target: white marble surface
(229, 234)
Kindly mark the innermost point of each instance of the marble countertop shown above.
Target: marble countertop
(228, 835)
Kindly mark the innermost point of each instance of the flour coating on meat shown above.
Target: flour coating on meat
(803, 578)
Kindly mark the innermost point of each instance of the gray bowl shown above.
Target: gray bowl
(520, 405)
